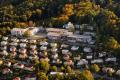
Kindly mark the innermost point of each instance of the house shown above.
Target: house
(89, 57)
(18, 31)
(4, 43)
(118, 72)
(55, 56)
(53, 44)
(83, 38)
(91, 42)
(4, 53)
(33, 47)
(33, 52)
(82, 62)
(14, 40)
(113, 59)
(74, 48)
(77, 58)
(53, 36)
(69, 62)
(32, 41)
(23, 45)
(8, 63)
(87, 49)
(23, 56)
(97, 61)
(29, 68)
(22, 50)
(54, 50)
(18, 65)
(33, 57)
(66, 57)
(68, 26)
(3, 48)
(54, 73)
(64, 46)
(21, 31)
(77, 26)
(13, 44)
(65, 51)
(33, 30)
(90, 34)
(108, 69)
(57, 61)
(55, 30)
(17, 78)
(5, 38)
(13, 49)
(102, 54)
(23, 40)
(13, 54)
(6, 71)
(43, 43)
(43, 48)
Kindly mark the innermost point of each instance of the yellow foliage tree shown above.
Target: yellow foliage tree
(68, 9)
(87, 75)
(95, 68)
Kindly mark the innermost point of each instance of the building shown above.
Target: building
(21, 31)
(18, 31)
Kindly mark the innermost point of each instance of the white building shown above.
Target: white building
(21, 31)
(18, 31)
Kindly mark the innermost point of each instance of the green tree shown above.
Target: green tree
(44, 65)
(42, 76)
(68, 69)
(54, 68)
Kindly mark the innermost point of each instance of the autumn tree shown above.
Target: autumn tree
(86, 11)
(87, 75)
(95, 68)
(112, 43)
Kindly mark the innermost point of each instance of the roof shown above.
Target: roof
(53, 34)
(54, 30)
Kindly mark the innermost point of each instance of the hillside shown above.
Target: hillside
(104, 14)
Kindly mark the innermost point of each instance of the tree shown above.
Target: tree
(42, 76)
(68, 69)
(111, 43)
(44, 65)
(85, 12)
(95, 68)
(68, 9)
(87, 75)
(27, 33)
(54, 68)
